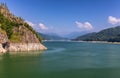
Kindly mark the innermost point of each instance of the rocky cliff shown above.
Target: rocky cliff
(16, 34)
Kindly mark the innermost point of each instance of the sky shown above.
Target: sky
(67, 16)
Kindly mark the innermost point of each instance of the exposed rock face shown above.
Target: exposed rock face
(2, 50)
(16, 34)
(3, 39)
(5, 11)
(3, 36)
(25, 47)
(19, 47)
(25, 36)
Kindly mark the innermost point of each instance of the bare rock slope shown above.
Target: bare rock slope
(16, 34)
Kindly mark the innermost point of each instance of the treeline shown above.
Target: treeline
(110, 35)
(7, 25)
(33, 31)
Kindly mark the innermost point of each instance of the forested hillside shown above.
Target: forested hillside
(110, 35)
(16, 29)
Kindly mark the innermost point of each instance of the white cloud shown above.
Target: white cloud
(42, 26)
(85, 25)
(88, 25)
(113, 20)
(30, 23)
(79, 24)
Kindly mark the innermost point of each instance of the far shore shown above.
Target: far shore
(103, 42)
(106, 42)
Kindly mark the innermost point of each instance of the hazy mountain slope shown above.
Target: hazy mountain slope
(110, 34)
(75, 34)
(51, 37)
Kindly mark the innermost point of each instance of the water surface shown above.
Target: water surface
(64, 60)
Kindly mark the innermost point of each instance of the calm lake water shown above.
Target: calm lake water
(64, 60)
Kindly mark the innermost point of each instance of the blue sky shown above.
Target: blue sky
(66, 16)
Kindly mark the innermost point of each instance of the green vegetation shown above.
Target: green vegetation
(11, 25)
(15, 37)
(33, 31)
(110, 35)
(6, 25)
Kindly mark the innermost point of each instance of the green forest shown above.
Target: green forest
(110, 35)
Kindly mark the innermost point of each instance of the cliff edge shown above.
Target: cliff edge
(16, 34)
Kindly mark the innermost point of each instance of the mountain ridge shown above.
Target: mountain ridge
(109, 34)
(51, 36)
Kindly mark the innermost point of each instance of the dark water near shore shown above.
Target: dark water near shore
(64, 60)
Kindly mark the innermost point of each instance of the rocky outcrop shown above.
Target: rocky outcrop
(5, 11)
(3, 39)
(25, 35)
(20, 47)
(2, 50)
(14, 47)
(15, 34)
(3, 36)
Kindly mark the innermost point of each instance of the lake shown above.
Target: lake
(64, 60)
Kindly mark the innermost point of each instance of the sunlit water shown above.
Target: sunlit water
(64, 60)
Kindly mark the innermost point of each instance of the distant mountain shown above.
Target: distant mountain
(51, 36)
(74, 35)
(110, 35)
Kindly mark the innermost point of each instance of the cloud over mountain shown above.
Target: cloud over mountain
(37, 27)
(113, 20)
(85, 25)
(42, 26)
(30, 23)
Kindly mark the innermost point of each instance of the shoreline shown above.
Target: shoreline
(102, 42)
(106, 42)
(22, 47)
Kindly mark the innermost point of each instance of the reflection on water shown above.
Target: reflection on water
(56, 50)
(19, 64)
(20, 54)
(31, 53)
(63, 60)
